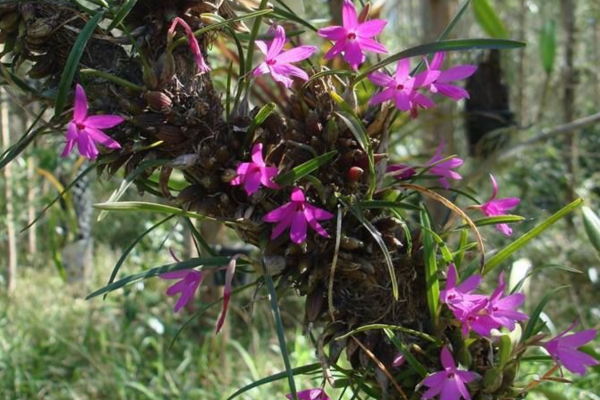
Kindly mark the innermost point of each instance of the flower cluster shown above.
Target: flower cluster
(481, 314)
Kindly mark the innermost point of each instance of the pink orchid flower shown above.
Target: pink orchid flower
(86, 131)
(494, 207)
(497, 313)
(189, 281)
(440, 84)
(278, 62)
(255, 173)
(444, 169)
(193, 42)
(401, 172)
(449, 384)
(402, 88)
(296, 215)
(310, 394)
(459, 298)
(563, 349)
(354, 37)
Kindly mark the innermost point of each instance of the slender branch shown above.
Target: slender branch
(543, 136)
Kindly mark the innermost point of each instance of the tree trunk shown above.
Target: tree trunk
(435, 17)
(8, 197)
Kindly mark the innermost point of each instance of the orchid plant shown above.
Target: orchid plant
(363, 248)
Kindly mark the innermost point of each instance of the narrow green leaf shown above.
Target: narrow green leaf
(489, 20)
(293, 17)
(129, 179)
(591, 223)
(455, 20)
(251, 44)
(281, 334)
(444, 45)
(506, 252)
(355, 209)
(141, 206)
(337, 72)
(131, 246)
(412, 361)
(505, 350)
(530, 329)
(498, 219)
(459, 255)
(199, 239)
(360, 133)
(402, 329)
(388, 205)
(60, 195)
(13, 151)
(305, 369)
(73, 62)
(304, 169)
(188, 264)
(431, 269)
(222, 23)
(122, 13)
(548, 45)
(260, 118)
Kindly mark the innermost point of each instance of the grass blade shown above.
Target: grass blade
(129, 179)
(280, 334)
(305, 369)
(444, 45)
(131, 246)
(142, 206)
(431, 269)
(535, 316)
(73, 62)
(506, 252)
(188, 264)
(304, 169)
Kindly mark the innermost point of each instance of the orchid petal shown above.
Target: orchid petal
(370, 28)
(349, 17)
(80, 108)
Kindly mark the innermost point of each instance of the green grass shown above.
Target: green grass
(57, 346)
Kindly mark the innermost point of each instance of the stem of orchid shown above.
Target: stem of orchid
(253, 35)
(112, 78)
(280, 333)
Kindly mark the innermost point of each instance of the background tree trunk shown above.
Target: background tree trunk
(8, 196)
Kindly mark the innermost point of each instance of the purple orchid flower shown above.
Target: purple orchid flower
(459, 298)
(441, 83)
(444, 169)
(310, 394)
(401, 172)
(354, 37)
(86, 131)
(255, 173)
(189, 281)
(494, 207)
(402, 88)
(278, 62)
(563, 349)
(193, 42)
(296, 215)
(496, 313)
(449, 383)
